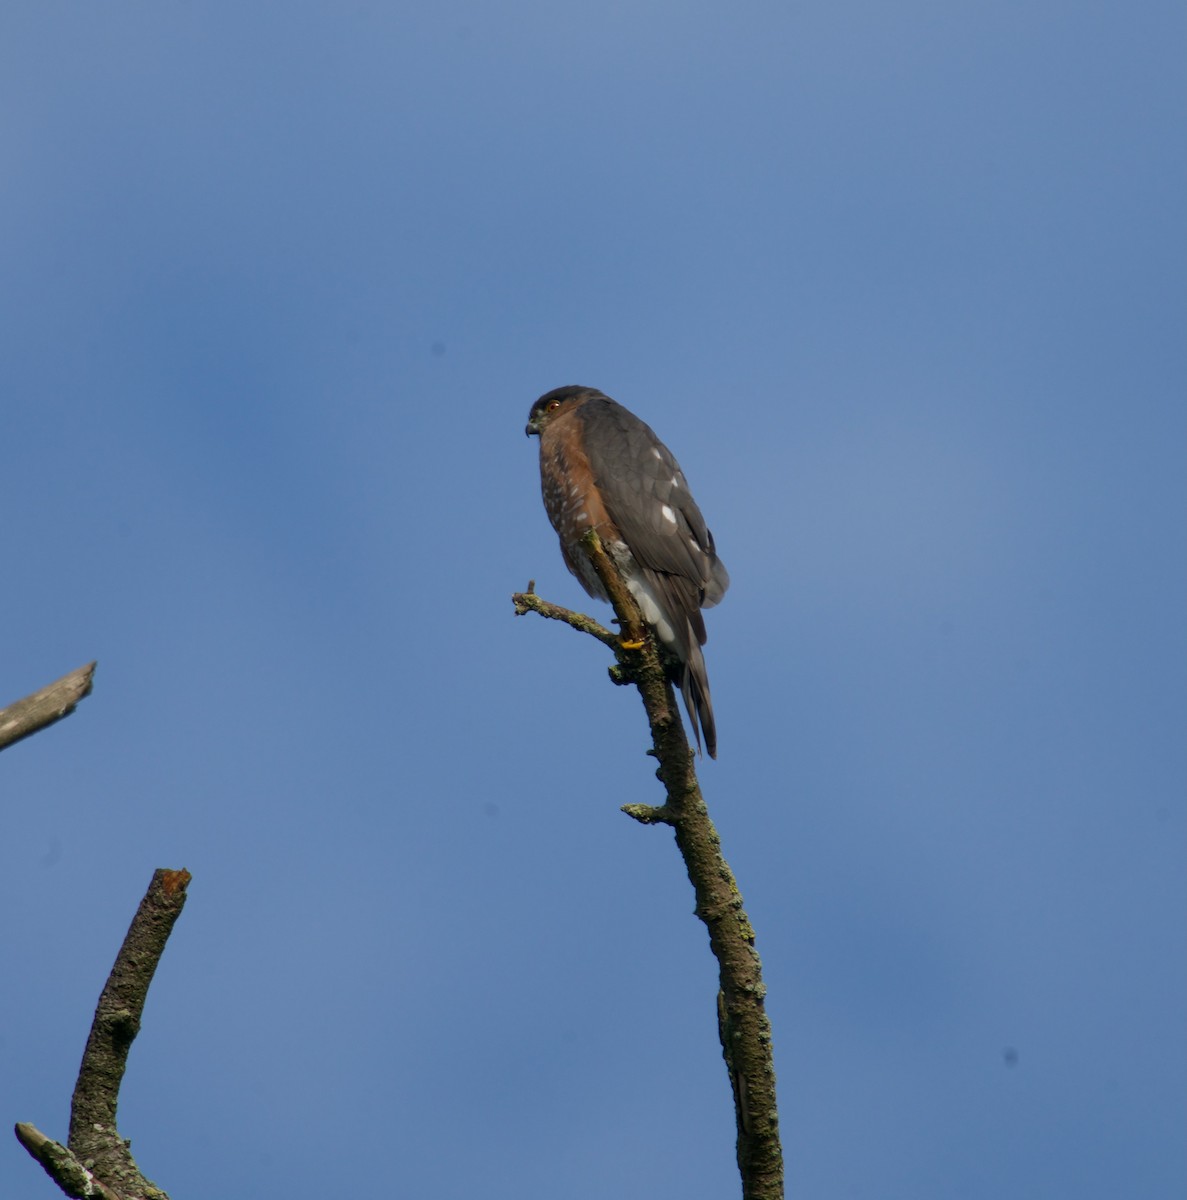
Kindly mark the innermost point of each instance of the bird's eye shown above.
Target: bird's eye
(553, 405)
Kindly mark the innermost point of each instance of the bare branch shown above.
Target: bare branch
(743, 1026)
(50, 704)
(95, 1146)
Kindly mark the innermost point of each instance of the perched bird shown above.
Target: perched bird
(602, 468)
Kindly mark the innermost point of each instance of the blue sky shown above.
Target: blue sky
(902, 288)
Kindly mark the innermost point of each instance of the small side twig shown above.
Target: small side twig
(95, 1147)
(528, 601)
(52, 703)
(743, 1026)
(62, 1166)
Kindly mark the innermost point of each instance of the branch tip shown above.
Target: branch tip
(648, 814)
(46, 706)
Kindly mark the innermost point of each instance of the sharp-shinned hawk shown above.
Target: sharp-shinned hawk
(602, 468)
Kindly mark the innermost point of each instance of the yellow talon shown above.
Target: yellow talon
(631, 645)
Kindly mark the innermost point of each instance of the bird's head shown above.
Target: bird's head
(555, 404)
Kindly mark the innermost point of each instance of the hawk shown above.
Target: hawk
(602, 468)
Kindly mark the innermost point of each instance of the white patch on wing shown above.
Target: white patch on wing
(655, 451)
(669, 515)
(653, 614)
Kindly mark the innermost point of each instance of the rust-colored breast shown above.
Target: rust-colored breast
(571, 498)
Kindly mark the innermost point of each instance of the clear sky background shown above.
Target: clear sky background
(901, 285)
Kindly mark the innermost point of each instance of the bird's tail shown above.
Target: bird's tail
(693, 682)
(671, 605)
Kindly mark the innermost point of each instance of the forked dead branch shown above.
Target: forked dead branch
(96, 1160)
